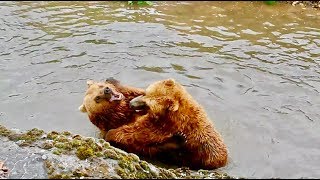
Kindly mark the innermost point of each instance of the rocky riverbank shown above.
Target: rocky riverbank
(36, 154)
(313, 4)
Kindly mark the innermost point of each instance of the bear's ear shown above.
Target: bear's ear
(169, 82)
(90, 82)
(173, 105)
(112, 81)
(82, 108)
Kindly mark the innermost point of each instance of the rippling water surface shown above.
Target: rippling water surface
(254, 68)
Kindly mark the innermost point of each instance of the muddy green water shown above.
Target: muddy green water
(254, 68)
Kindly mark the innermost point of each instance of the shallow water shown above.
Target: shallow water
(253, 67)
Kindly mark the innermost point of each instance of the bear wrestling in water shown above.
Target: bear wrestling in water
(171, 112)
(107, 106)
(107, 103)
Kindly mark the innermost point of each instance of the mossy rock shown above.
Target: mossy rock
(110, 153)
(60, 176)
(84, 152)
(77, 136)
(26, 138)
(100, 153)
(61, 138)
(63, 146)
(35, 132)
(57, 151)
(47, 145)
(4, 131)
(66, 133)
(76, 143)
(52, 135)
(130, 168)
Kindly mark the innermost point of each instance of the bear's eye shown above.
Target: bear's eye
(97, 98)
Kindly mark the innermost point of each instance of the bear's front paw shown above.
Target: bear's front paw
(110, 135)
(180, 138)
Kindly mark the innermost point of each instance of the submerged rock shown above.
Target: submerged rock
(54, 155)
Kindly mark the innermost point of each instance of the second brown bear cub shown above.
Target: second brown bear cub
(107, 106)
(170, 111)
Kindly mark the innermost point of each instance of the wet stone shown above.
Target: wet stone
(62, 158)
(22, 163)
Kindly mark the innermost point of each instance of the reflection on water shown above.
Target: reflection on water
(254, 68)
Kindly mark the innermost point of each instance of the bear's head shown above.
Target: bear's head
(101, 97)
(161, 97)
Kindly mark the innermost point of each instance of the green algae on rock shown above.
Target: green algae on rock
(26, 138)
(84, 152)
(4, 131)
(73, 156)
(47, 145)
(109, 153)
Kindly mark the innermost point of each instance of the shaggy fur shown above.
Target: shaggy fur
(106, 114)
(171, 110)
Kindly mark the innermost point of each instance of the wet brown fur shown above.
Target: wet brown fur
(109, 115)
(172, 110)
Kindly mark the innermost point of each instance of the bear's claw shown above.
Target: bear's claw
(180, 137)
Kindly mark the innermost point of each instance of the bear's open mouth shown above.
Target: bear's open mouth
(116, 97)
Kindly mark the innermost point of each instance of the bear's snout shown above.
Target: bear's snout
(107, 90)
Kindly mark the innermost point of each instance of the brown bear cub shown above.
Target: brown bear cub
(171, 112)
(107, 103)
(107, 106)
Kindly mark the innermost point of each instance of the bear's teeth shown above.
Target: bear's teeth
(138, 110)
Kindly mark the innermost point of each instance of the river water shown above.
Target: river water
(253, 67)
